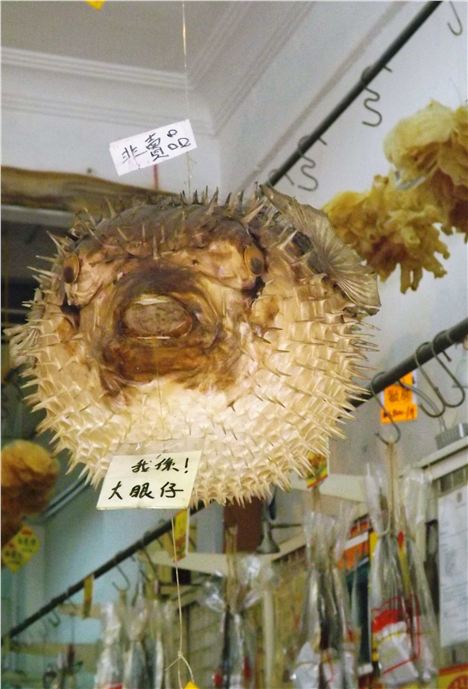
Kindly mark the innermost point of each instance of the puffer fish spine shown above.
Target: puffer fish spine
(263, 369)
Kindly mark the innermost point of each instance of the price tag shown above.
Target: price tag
(399, 403)
(181, 534)
(88, 587)
(152, 147)
(318, 469)
(160, 480)
(20, 548)
(97, 4)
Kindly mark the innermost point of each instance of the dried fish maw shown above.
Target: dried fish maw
(29, 474)
(452, 159)
(460, 127)
(390, 227)
(413, 144)
(200, 319)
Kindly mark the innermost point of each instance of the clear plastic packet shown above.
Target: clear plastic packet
(390, 623)
(137, 674)
(169, 644)
(348, 632)
(327, 646)
(249, 576)
(109, 671)
(424, 630)
(155, 644)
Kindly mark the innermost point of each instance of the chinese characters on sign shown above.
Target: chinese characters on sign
(152, 147)
(158, 480)
(399, 402)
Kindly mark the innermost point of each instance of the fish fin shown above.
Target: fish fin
(328, 253)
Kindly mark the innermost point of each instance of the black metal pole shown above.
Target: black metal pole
(369, 74)
(426, 351)
(119, 557)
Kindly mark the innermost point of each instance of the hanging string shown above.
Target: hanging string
(187, 100)
(393, 503)
(180, 655)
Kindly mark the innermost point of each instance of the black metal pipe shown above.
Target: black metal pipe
(426, 352)
(119, 557)
(368, 75)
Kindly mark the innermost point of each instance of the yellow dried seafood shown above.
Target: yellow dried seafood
(389, 226)
(413, 144)
(398, 223)
(433, 145)
(29, 474)
(236, 322)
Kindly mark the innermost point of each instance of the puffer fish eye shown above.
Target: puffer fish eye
(254, 260)
(71, 268)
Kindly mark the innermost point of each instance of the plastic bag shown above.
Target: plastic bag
(136, 670)
(169, 644)
(390, 623)
(424, 629)
(155, 644)
(327, 648)
(249, 577)
(109, 672)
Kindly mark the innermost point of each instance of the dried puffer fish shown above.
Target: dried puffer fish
(236, 323)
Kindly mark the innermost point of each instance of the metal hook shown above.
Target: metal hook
(431, 384)
(459, 31)
(455, 380)
(55, 621)
(395, 426)
(426, 398)
(141, 570)
(150, 561)
(121, 589)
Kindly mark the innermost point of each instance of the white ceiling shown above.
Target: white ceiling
(138, 34)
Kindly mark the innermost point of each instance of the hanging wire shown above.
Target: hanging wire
(187, 99)
(180, 654)
(387, 413)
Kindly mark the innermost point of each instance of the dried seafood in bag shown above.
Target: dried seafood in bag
(239, 323)
(327, 657)
(136, 673)
(424, 633)
(109, 671)
(390, 622)
(243, 588)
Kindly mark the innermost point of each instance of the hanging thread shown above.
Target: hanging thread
(187, 100)
(180, 655)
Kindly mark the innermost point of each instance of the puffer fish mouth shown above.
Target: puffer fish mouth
(156, 317)
(157, 323)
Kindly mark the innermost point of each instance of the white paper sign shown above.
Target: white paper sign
(160, 480)
(453, 563)
(152, 147)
